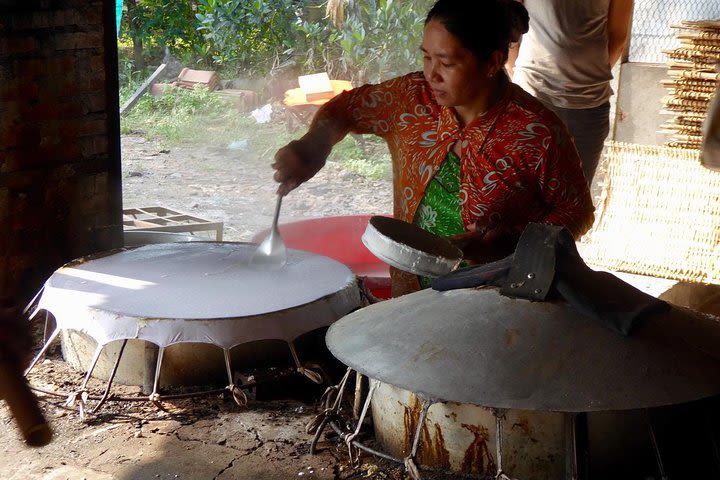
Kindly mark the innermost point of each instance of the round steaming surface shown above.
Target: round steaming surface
(197, 280)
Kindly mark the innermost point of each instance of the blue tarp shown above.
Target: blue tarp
(118, 14)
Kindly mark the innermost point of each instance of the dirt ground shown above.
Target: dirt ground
(206, 437)
(202, 437)
(236, 187)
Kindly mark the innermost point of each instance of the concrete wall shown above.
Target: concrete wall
(637, 112)
(60, 184)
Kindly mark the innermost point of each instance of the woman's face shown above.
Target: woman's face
(453, 72)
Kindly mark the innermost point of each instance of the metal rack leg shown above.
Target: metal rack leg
(155, 396)
(237, 393)
(42, 351)
(110, 379)
(656, 447)
(151, 354)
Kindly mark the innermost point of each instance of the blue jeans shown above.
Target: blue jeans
(589, 127)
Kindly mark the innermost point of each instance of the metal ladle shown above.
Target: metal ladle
(271, 254)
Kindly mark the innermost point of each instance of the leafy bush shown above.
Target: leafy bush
(381, 39)
(377, 40)
(248, 35)
(153, 25)
(372, 161)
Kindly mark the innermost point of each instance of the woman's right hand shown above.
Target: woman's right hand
(488, 245)
(298, 162)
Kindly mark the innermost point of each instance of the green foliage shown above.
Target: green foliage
(381, 39)
(378, 40)
(199, 117)
(159, 24)
(130, 78)
(372, 161)
(322, 51)
(177, 116)
(183, 102)
(248, 35)
(127, 76)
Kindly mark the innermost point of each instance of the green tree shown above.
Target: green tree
(361, 40)
(153, 25)
(249, 36)
(372, 41)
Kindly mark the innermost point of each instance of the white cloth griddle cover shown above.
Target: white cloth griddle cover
(198, 292)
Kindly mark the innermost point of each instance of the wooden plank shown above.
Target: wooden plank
(127, 106)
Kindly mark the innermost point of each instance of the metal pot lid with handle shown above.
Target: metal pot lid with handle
(478, 346)
(410, 248)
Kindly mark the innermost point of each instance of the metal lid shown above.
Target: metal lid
(479, 347)
(410, 248)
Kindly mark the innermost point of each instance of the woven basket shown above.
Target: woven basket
(658, 214)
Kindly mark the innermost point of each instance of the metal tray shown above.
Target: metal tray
(410, 248)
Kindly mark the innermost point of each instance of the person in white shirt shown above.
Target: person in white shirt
(565, 60)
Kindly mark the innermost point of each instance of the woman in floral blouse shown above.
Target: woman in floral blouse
(475, 157)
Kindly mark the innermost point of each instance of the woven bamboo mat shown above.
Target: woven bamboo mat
(658, 214)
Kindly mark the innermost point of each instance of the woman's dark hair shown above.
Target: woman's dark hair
(482, 26)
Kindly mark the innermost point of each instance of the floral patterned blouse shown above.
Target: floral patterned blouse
(518, 162)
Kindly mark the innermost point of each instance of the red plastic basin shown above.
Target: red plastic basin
(340, 239)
